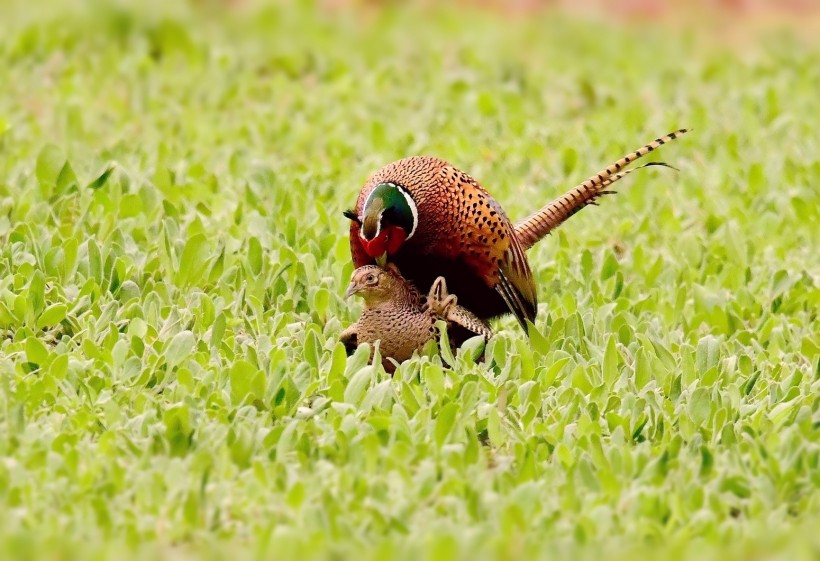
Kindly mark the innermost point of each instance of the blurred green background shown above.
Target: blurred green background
(172, 176)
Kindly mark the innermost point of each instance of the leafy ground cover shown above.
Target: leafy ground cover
(174, 257)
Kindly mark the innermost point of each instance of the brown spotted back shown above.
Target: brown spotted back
(463, 234)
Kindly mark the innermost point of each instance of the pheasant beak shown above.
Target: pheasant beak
(352, 289)
(381, 260)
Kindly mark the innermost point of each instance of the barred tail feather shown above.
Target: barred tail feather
(536, 226)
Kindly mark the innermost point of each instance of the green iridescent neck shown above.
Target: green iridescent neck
(392, 204)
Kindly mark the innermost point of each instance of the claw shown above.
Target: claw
(439, 290)
(438, 300)
(448, 304)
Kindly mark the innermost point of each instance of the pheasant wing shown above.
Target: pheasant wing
(493, 251)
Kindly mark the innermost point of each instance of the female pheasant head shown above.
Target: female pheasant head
(375, 284)
(389, 217)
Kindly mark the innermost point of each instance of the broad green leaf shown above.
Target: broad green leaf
(241, 376)
(51, 316)
(218, 330)
(180, 347)
(131, 205)
(610, 266)
(95, 264)
(700, 406)
(708, 353)
(610, 365)
(59, 367)
(321, 300)
(102, 178)
(433, 378)
(757, 177)
(494, 428)
(194, 260)
(357, 385)
(358, 360)
(66, 179)
(296, 495)
(338, 361)
(50, 161)
(36, 295)
(643, 372)
(444, 422)
(255, 255)
(580, 379)
(737, 485)
(539, 343)
(128, 290)
(549, 375)
(569, 159)
(312, 349)
(586, 264)
(36, 351)
(473, 348)
(444, 343)
(378, 397)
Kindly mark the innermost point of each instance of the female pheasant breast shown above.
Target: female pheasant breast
(462, 233)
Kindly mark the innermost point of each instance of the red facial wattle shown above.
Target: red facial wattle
(377, 246)
(395, 237)
(388, 241)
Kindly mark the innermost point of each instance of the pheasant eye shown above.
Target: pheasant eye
(370, 279)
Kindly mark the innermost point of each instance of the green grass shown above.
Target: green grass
(170, 380)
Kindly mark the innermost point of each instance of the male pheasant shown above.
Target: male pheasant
(396, 315)
(431, 219)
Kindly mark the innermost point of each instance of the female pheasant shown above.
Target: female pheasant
(396, 315)
(431, 219)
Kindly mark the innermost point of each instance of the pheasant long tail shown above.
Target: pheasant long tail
(536, 226)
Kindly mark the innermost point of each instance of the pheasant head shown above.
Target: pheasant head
(388, 218)
(382, 285)
(371, 283)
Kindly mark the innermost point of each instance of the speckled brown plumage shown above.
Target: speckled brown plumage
(396, 315)
(463, 235)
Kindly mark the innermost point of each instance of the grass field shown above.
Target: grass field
(174, 258)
